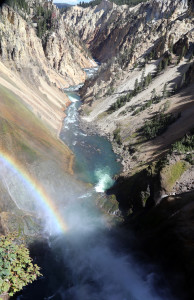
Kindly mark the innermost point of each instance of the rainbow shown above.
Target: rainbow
(38, 192)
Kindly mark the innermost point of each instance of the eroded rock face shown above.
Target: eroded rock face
(66, 55)
(132, 34)
(156, 31)
(34, 77)
(32, 106)
(107, 28)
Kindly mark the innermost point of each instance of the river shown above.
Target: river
(95, 161)
(90, 261)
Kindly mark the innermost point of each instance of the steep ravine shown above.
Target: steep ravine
(32, 111)
(34, 72)
(85, 261)
(91, 260)
(155, 192)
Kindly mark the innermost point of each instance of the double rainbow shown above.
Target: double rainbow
(32, 185)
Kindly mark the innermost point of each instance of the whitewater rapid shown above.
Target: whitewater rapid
(95, 156)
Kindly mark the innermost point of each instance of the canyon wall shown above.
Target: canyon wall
(33, 72)
(141, 99)
(39, 72)
(154, 54)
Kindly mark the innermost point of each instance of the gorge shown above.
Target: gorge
(100, 224)
(89, 261)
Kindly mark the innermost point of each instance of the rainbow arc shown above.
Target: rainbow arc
(34, 187)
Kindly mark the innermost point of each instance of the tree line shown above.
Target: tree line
(118, 2)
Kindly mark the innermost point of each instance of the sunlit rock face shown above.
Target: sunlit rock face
(36, 73)
(107, 28)
(158, 29)
(66, 55)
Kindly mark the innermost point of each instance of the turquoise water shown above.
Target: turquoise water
(95, 161)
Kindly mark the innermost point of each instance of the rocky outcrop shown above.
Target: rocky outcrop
(33, 76)
(167, 231)
(113, 28)
(66, 55)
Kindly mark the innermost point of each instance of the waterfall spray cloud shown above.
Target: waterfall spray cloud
(34, 189)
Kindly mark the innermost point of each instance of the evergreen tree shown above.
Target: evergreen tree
(166, 63)
(136, 85)
(164, 92)
(183, 52)
(183, 79)
(148, 79)
(153, 94)
(159, 69)
(142, 82)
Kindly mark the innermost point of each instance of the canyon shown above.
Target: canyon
(145, 77)
(33, 103)
(140, 99)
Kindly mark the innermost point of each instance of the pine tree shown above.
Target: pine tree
(136, 85)
(175, 88)
(142, 82)
(166, 63)
(164, 92)
(183, 52)
(153, 94)
(159, 67)
(148, 79)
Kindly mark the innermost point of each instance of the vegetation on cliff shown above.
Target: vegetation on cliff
(45, 20)
(118, 2)
(18, 5)
(16, 266)
(186, 144)
(43, 15)
(157, 125)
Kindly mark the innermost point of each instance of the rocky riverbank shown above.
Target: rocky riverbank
(142, 101)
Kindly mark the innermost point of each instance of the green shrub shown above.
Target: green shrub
(110, 91)
(190, 158)
(16, 267)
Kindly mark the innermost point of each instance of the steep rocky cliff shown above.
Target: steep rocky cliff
(109, 29)
(33, 72)
(66, 55)
(147, 76)
(25, 139)
(142, 100)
